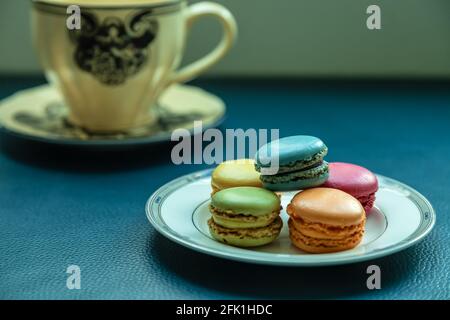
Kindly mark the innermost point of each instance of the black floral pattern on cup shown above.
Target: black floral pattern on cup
(113, 50)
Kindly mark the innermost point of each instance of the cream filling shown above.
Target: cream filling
(297, 175)
(241, 221)
(299, 164)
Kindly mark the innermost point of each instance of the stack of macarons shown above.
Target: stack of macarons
(328, 213)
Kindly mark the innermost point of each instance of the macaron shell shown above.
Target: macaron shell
(235, 173)
(289, 150)
(328, 206)
(252, 237)
(351, 178)
(246, 200)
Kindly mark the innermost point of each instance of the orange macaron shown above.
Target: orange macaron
(324, 220)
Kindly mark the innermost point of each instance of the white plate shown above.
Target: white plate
(401, 218)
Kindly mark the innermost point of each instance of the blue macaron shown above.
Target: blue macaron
(299, 160)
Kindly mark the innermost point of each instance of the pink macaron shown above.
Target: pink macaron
(355, 180)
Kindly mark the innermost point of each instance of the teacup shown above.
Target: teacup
(112, 70)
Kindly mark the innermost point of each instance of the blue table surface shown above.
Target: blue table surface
(64, 206)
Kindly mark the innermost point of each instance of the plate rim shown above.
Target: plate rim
(415, 237)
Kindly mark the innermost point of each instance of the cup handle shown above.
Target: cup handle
(194, 12)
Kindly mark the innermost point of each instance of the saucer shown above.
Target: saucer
(401, 218)
(39, 114)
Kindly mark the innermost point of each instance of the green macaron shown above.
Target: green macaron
(245, 216)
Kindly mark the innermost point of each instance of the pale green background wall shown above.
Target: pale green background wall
(295, 38)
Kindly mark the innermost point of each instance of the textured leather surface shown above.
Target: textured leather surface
(62, 206)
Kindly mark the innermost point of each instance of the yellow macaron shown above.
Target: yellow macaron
(235, 173)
